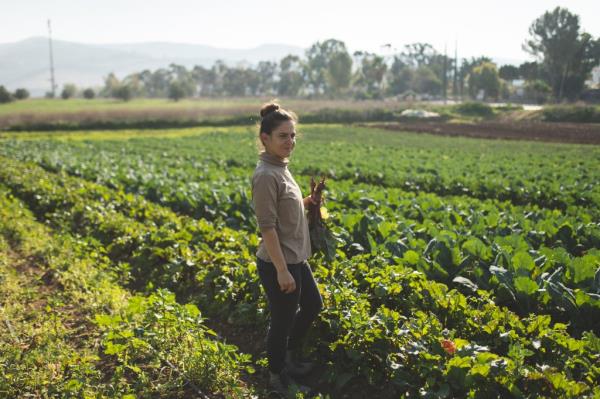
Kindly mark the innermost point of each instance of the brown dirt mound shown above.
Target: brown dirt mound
(578, 133)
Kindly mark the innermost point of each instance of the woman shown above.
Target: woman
(292, 294)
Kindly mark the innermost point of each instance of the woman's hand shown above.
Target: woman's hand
(309, 201)
(284, 277)
(286, 281)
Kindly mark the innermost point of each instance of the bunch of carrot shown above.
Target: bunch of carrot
(321, 238)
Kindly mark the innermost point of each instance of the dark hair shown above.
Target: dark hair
(272, 115)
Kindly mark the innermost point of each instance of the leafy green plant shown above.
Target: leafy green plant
(159, 331)
(415, 272)
(474, 109)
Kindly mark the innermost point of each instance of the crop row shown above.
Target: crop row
(384, 326)
(533, 259)
(536, 262)
(187, 180)
(548, 175)
(215, 190)
(82, 335)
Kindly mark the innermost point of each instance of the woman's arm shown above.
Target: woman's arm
(284, 277)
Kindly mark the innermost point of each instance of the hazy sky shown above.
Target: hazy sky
(493, 28)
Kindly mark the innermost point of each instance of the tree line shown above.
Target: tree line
(564, 58)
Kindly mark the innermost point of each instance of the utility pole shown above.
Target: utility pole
(445, 77)
(52, 81)
(455, 83)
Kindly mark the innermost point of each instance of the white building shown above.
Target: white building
(596, 76)
(519, 86)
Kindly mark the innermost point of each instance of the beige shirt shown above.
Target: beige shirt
(278, 203)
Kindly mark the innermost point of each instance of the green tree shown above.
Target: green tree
(266, 72)
(69, 91)
(465, 69)
(339, 72)
(156, 83)
(206, 80)
(134, 84)
(217, 78)
(441, 65)
(89, 94)
(418, 54)
(509, 72)
(401, 76)
(328, 67)
(538, 91)
(21, 94)
(184, 79)
(199, 75)
(529, 70)
(368, 79)
(176, 90)
(5, 96)
(291, 78)
(240, 81)
(484, 77)
(566, 54)
(111, 84)
(426, 81)
(123, 92)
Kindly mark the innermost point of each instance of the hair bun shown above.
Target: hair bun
(268, 108)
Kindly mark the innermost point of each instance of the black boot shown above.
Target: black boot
(284, 385)
(295, 365)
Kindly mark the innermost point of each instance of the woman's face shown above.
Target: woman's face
(281, 141)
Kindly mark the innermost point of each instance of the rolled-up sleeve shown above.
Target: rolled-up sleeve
(264, 199)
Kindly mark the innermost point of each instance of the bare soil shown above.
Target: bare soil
(576, 133)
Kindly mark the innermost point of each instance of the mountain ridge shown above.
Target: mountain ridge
(26, 63)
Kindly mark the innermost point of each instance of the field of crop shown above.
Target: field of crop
(232, 105)
(464, 267)
(43, 114)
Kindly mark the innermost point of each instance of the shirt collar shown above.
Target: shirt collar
(273, 160)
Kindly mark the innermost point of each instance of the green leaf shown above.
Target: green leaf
(456, 370)
(476, 247)
(505, 279)
(113, 349)
(192, 310)
(104, 320)
(411, 257)
(525, 285)
(562, 295)
(481, 369)
(596, 285)
(136, 304)
(135, 369)
(523, 263)
(582, 269)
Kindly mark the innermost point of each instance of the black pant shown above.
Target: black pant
(288, 324)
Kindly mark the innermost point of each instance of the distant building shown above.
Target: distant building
(519, 86)
(596, 76)
(592, 92)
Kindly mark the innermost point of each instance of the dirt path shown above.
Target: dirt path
(575, 133)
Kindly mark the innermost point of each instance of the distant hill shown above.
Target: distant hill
(26, 63)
